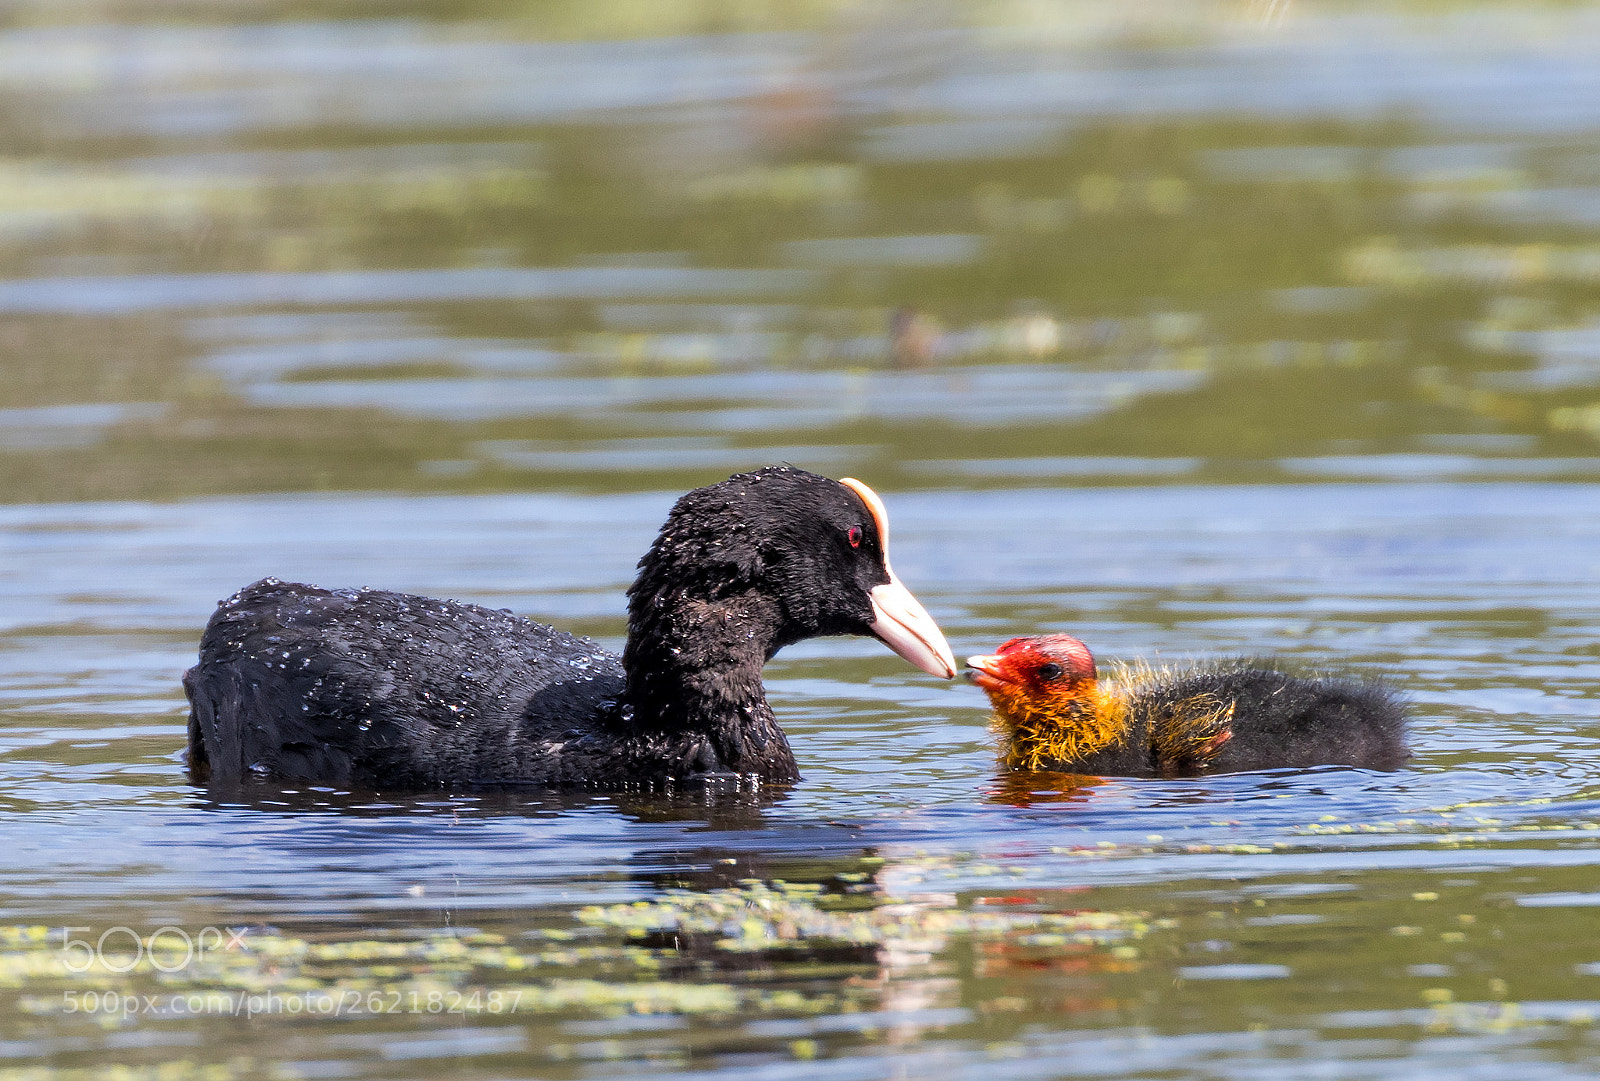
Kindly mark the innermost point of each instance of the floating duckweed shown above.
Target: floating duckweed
(644, 998)
(630, 963)
(21, 969)
(334, 978)
(757, 917)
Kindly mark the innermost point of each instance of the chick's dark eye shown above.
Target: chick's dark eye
(1049, 671)
(854, 536)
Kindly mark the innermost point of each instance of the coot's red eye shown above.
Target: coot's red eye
(854, 536)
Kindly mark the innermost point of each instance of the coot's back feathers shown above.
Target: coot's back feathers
(366, 687)
(375, 689)
(1052, 712)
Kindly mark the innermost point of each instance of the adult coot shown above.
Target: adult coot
(1052, 713)
(365, 688)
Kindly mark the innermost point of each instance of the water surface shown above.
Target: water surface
(1466, 874)
(1192, 330)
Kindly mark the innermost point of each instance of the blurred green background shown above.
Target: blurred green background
(269, 246)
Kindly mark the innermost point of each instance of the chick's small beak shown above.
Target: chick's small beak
(987, 670)
(902, 624)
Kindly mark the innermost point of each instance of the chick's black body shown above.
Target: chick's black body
(376, 689)
(1276, 720)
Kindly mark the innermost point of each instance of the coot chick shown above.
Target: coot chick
(370, 689)
(1052, 713)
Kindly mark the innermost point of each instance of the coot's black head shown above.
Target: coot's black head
(816, 547)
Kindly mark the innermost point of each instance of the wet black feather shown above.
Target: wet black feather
(369, 688)
(1280, 719)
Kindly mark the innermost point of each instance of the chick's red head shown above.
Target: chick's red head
(1035, 668)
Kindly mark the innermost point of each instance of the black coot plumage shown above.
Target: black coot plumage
(366, 688)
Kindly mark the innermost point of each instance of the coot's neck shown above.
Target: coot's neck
(693, 694)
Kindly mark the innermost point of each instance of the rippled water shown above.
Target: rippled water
(1194, 330)
(1348, 888)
